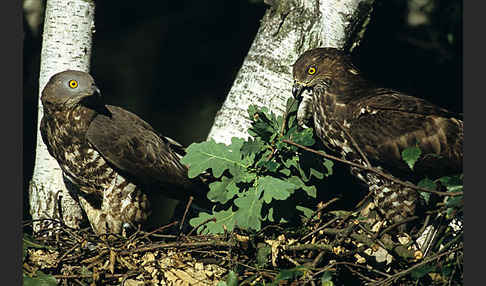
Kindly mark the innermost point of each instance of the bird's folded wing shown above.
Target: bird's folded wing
(386, 99)
(387, 123)
(135, 148)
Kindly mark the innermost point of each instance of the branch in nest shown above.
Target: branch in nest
(374, 170)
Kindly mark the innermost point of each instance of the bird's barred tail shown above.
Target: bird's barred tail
(393, 201)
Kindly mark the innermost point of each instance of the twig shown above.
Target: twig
(364, 199)
(424, 226)
(159, 229)
(319, 228)
(374, 235)
(310, 246)
(354, 143)
(201, 224)
(68, 276)
(359, 274)
(59, 209)
(363, 267)
(67, 252)
(321, 207)
(409, 219)
(410, 269)
(291, 260)
(191, 198)
(318, 259)
(180, 245)
(374, 170)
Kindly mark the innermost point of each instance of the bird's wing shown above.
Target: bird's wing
(388, 122)
(174, 146)
(43, 132)
(136, 149)
(387, 99)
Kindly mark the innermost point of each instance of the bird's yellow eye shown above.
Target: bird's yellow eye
(73, 83)
(311, 70)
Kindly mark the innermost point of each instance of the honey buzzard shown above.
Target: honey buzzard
(382, 122)
(113, 157)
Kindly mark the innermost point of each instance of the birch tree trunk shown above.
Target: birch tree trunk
(288, 28)
(67, 37)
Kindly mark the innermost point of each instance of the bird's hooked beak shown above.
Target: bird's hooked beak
(100, 105)
(297, 90)
(95, 101)
(96, 91)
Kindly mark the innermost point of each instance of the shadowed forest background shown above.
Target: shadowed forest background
(173, 62)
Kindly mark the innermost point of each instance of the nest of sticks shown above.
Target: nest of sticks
(333, 247)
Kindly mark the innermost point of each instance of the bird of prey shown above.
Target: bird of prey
(111, 156)
(347, 107)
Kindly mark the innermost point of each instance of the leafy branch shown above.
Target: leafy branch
(376, 171)
(257, 175)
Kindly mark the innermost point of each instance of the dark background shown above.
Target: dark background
(173, 62)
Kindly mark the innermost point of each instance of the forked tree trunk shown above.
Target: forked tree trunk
(67, 36)
(288, 28)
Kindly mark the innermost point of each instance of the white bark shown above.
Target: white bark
(287, 29)
(67, 36)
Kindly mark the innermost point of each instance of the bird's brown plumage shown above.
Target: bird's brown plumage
(383, 122)
(110, 154)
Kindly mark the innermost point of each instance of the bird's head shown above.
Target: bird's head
(67, 89)
(320, 67)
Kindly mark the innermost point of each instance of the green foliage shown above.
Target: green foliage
(326, 279)
(40, 279)
(410, 155)
(289, 274)
(451, 183)
(422, 270)
(263, 254)
(427, 184)
(231, 280)
(256, 176)
(29, 242)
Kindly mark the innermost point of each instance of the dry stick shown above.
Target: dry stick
(318, 259)
(363, 267)
(201, 224)
(354, 143)
(67, 252)
(179, 245)
(374, 235)
(59, 209)
(68, 276)
(159, 229)
(191, 198)
(374, 170)
(311, 246)
(424, 226)
(409, 219)
(133, 238)
(320, 208)
(359, 274)
(75, 280)
(329, 266)
(408, 270)
(369, 194)
(368, 164)
(267, 227)
(247, 266)
(319, 228)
